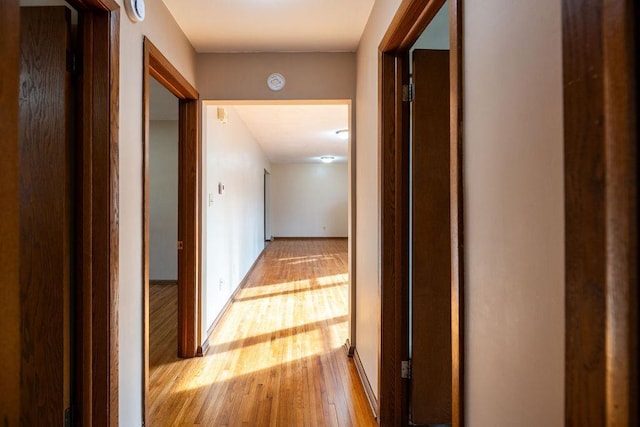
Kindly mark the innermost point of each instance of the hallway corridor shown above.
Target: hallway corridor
(275, 359)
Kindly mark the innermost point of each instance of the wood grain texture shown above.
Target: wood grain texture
(45, 212)
(621, 154)
(601, 194)
(457, 211)
(188, 227)
(394, 159)
(275, 359)
(9, 214)
(431, 241)
(104, 92)
(97, 212)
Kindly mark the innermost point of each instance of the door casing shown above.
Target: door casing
(410, 21)
(96, 400)
(156, 65)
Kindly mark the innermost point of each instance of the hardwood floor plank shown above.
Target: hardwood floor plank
(275, 358)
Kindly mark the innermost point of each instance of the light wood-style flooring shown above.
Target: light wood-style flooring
(275, 359)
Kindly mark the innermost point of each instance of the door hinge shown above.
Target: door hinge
(74, 62)
(408, 92)
(180, 245)
(405, 369)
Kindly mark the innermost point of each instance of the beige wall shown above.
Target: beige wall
(233, 222)
(163, 198)
(367, 234)
(162, 30)
(514, 213)
(233, 76)
(514, 209)
(309, 200)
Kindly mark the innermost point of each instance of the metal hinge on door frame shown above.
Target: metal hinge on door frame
(405, 369)
(74, 62)
(408, 92)
(180, 245)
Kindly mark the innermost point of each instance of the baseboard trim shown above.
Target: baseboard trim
(348, 348)
(368, 390)
(204, 348)
(162, 282)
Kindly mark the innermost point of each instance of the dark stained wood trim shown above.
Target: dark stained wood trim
(621, 154)
(409, 22)
(394, 178)
(156, 65)
(412, 18)
(10, 354)
(97, 297)
(163, 282)
(601, 207)
(457, 209)
(188, 228)
(97, 364)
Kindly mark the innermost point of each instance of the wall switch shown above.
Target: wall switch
(210, 199)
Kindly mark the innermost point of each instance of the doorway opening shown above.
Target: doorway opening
(163, 227)
(268, 237)
(409, 191)
(304, 196)
(157, 66)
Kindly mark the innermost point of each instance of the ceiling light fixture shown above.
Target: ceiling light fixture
(327, 159)
(343, 133)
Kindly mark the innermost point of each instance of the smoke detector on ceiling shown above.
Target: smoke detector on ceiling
(276, 81)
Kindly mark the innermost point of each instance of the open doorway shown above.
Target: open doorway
(267, 207)
(413, 186)
(295, 166)
(163, 228)
(156, 66)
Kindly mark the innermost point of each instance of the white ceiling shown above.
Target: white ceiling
(272, 25)
(297, 133)
(287, 133)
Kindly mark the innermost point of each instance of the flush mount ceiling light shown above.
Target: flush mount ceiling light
(327, 159)
(343, 133)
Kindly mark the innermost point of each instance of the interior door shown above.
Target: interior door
(431, 241)
(46, 267)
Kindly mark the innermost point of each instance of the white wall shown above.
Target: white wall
(514, 213)
(514, 258)
(309, 200)
(233, 223)
(163, 31)
(163, 199)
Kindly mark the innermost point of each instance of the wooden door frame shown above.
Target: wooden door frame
(96, 400)
(411, 19)
(601, 207)
(156, 65)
